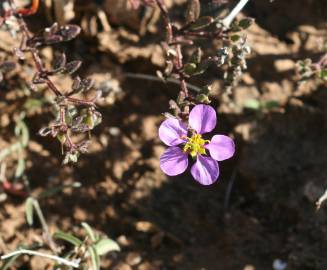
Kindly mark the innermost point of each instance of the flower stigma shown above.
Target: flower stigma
(195, 145)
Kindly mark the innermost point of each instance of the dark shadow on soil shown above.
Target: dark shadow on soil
(270, 211)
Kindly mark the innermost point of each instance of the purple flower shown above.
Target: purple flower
(174, 132)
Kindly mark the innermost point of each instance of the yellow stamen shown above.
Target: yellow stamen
(195, 145)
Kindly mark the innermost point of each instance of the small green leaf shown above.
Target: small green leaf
(202, 98)
(245, 23)
(20, 168)
(21, 130)
(89, 231)
(271, 104)
(29, 209)
(106, 245)
(33, 104)
(95, 259)
(202, 67)
(190, 68)
(252, 104)
(235, 38)
(68, 238)
(323, 74)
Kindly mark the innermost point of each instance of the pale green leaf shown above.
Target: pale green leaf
(20, 168)
(89, 231)
(29, 209)
(106, 245)
(252, 104)
(68, 238)
(94, 258)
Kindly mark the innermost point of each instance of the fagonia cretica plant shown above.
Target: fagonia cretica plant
(206, 153)
(185, 130)
(192, 116)
(74, 114)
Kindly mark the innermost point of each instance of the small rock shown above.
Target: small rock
(279, 265)
(145, 226)
(284, 65)
(4, 120)
(249, 267)
(123, 241)
(146, 266)
(80, 214)
(133, 258)
(122, 266)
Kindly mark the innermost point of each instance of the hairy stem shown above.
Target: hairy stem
(74, 264)
(155, 78)
(237, 9)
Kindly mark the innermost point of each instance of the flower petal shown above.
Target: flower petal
(221, 147)
(205, 170)
(173, 161)
(171, 131)
(203, 118)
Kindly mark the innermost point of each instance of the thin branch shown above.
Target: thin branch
(229, 189)
(35, 54)
(154, 78)
(169, 28)
(178, 63)
(74, 264)
(45, 227)
(237, 9)
(321, 200)
(44, 76)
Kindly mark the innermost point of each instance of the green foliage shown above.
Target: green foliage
(257, 105)
(307, 70)
(95, 259)
(323, 74)
(68, 238)
(245, 23)
(105, 245)
(89, 231)
(29, 210)
(93, 245)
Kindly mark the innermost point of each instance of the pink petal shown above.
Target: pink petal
(205, 170)
(203, 118)
(171, 131)
(221, 147)
(173, 161)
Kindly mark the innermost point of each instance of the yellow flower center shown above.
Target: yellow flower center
(195, 145)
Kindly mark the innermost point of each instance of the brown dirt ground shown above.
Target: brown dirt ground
(275, 178)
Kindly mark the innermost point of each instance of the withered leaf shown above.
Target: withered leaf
(201, 23)
(76, 84)
(69, 32)
(60, 62)
(193, 11)
(73, 66)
